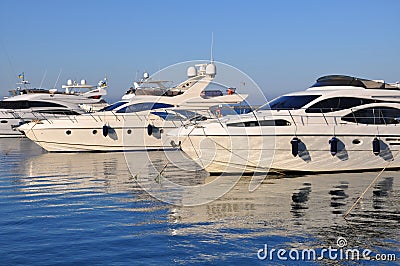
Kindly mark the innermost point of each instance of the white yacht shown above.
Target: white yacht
(340, 123)
(27, 104)
(139, 123)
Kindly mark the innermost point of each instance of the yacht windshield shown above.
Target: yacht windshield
(113, 106)
(138, 107)
(188, 114)
(289, 102)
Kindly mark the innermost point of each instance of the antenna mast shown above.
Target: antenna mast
(44, 76)
(58, 77)
(212, 44)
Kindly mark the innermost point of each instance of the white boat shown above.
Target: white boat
(27, 104)
(340, 123)
(140, 123)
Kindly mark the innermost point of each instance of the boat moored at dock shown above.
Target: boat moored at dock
(340, 123)
(140, 122)
(28, 104)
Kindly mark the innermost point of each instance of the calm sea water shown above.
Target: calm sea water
(87, 209)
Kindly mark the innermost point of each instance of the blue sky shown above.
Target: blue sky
(283, 45)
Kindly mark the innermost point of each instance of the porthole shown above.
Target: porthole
(356, 141)
(94, 131)
(68, 132)
(129, 131)
(4, 121)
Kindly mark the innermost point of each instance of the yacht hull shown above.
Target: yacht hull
(263, 153)
(87, 133)
(8, 123)
(340, 123)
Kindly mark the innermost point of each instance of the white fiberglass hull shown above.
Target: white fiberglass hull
(8, 123)
(231, 153)
(7, 131)
(85, 133)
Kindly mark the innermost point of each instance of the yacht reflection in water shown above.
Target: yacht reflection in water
(311, 201)
(300, 199)
(338, 197)
(381, 192)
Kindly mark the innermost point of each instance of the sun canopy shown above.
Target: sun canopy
(342, 80)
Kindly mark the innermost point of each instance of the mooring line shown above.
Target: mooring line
(370, 185)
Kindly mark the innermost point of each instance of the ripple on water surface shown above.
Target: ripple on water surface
(87, 208)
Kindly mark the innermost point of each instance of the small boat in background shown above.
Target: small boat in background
(26, 104)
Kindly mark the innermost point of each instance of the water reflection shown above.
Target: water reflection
(381, 192)
(300, 199)
(295, 206)
(338, 197)
(69, 172)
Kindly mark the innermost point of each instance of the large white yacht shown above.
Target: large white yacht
(27, 104)
(340, 123)
(139, 123)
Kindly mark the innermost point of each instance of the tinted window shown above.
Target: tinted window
(336, 104)
(244, 124)
(14, 105)
(27, 104)
(61, 112)
(44, 104)
(289, 102)
(375, 116)
(277, 122)
(168, 116)
(187, 114)
(113, 106)
(209, 94)
(138, 107)
(131, 108)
